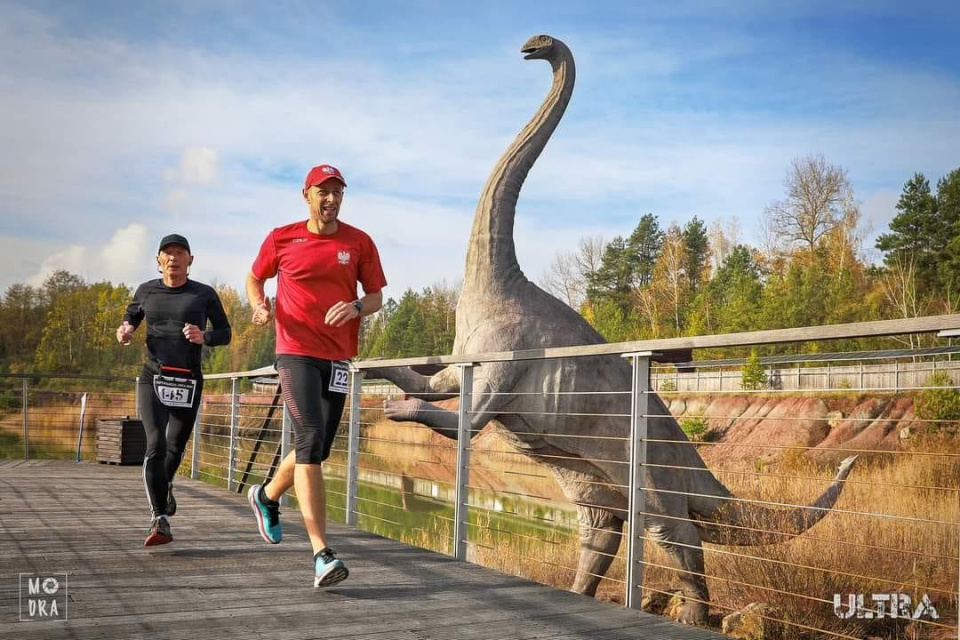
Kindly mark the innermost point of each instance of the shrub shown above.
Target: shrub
(754, 376)
(694, 426)
(668, 386)
(940, 404)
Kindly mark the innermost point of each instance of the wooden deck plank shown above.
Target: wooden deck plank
(219, 579)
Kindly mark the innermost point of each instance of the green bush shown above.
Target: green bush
(939, 404)
(668, 386)
(754, 376)
(695, 427)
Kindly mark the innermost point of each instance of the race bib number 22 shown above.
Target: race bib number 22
(339, 376)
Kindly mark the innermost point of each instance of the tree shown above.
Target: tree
(818, 195)
(627, 265)
(613, 280)
(21, 326)
(671, 282)
(78, 334)
(753, 376)
(569, 274)
(698, 253)
(730, 302)
(899, 286)
(609, 320)
(915, 232)
(723, 237)
(948, 205)
(644, 248)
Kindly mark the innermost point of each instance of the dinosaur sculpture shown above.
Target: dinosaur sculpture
(499, 309)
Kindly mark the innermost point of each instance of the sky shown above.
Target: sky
(121, 122)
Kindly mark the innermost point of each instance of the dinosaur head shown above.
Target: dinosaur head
(537, 47)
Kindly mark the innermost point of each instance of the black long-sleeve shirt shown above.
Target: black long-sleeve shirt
(167, 310)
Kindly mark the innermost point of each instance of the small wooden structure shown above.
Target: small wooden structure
(121, 440)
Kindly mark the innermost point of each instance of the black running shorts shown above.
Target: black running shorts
(314, 391)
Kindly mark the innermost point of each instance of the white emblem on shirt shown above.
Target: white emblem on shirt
(343, 257)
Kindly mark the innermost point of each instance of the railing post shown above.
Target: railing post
(26, 420)
(896, 376)
(637, 497)
(461, 511)
(353, 446)
(234, 411)
(799, 382)
(286, 427)
(861, 375)
(136, 398)
(195, 454)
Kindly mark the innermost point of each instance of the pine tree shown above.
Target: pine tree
(914, 230)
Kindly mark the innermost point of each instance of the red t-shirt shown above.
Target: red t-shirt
(316, 272)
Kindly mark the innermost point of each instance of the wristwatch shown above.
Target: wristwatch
(358, 306)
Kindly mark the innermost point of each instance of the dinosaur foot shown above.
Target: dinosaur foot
(405, 410)
(693, 613)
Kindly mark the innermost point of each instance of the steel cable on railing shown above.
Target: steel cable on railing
(796, 565)
(788, 505)
(765, 475)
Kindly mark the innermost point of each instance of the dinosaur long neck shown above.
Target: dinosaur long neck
(491, 255)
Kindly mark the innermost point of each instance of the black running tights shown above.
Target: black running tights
(168, 431)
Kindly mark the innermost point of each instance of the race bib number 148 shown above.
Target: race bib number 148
(175, 392)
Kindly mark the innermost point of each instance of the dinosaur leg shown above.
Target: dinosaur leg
(681, 540)
(440, 386)
(443, 421)
(600, 533)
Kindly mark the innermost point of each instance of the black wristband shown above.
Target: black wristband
(358, 306)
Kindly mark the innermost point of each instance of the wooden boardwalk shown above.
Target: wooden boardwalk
(218, 579)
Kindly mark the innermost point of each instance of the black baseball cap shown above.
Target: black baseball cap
(174, 238)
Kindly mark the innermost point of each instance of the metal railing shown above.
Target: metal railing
(893, 534)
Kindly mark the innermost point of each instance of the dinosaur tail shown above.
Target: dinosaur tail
(728, 520)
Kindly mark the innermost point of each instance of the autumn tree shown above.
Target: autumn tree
(569, 274)
(671, 282)
(818, 195)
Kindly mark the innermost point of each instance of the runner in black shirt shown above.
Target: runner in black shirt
(176, 310)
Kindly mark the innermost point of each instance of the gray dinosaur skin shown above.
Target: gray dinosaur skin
(499, 309)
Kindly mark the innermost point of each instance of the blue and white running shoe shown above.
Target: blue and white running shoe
(328, 569)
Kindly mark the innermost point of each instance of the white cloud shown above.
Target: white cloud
(198, 166)
(127, 257)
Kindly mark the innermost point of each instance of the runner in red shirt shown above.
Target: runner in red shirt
(319, 263)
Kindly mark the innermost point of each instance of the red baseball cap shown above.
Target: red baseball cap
(319, 175)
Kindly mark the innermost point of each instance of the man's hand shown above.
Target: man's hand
(192, 333)
(341, 313)
(125, 333)
(262, 314)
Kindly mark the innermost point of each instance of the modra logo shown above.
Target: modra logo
(343, 257)
(884, 605)
(43, 596)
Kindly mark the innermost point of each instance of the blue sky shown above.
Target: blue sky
(121, 122)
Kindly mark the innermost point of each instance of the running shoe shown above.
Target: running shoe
(328, 569)
(268, 514)
(159, 532)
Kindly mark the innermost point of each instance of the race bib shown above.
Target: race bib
(339, 377)
(175, 392)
